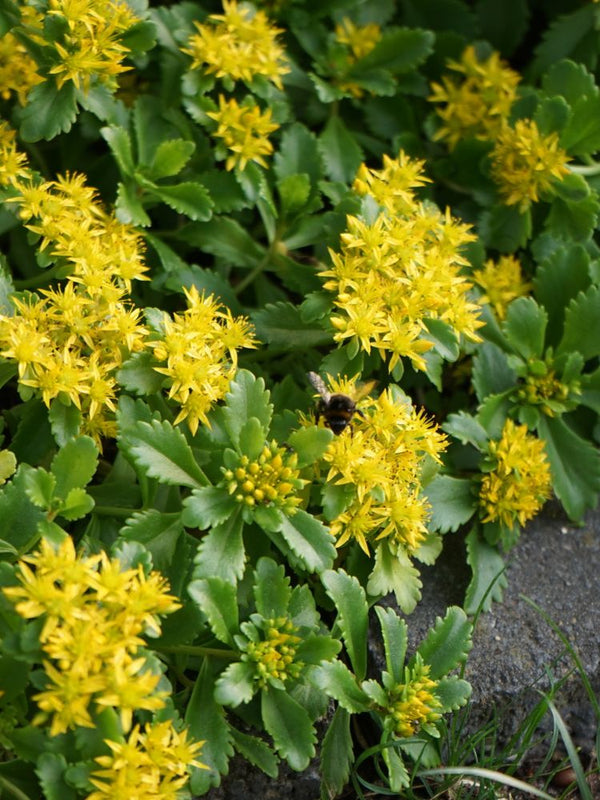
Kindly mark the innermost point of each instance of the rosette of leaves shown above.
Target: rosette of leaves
(275, 640)
(388, 700)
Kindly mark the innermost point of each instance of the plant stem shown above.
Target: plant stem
(585, 169)
(12, 790)
(199, 650)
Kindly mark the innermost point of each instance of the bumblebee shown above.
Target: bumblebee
(337, 409)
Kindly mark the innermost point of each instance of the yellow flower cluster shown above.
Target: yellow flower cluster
(244, 130)
(526, 163)
(272, 479)
(150, 764)
(413, 703)
(69, 341)
(382, 460)
(18, 71)
(238, 44)
(200, 348)
(393, 274)
(476, 102)
(502, 282)
(274, 655)
(94, 616)
(519, 481)
(91, 46)
(13, 163)
(359, 40)
(541, 388)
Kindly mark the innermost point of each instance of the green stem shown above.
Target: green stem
(199, 650)
(57, 271)
(12, 790)
(258, 269)
(585, 169)
(115, 511)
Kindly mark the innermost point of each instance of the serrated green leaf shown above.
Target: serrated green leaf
(128, 206)
(158, 532)
(447, 643)
(341, 153)
(281, 324)
(503, 26)
(336, 680)
(399, 50)
(492, 373)
(247, 397)
(137, 374)
(252, 438)
(467, 429)
(567, 79)
(272, 591)
(50, 769)
(575, 466)
(206, 722)
(236, 684)
(49, 111)
(65, 421)
(170, 158)
(298, 153)
(206, 506)
(224, 237)
(189, 198)
(590, 391)
(395, 639)
(505, 228)
(218, 600)
(294, 192)
(161, 451)
(562, 37)
(256, 752)
(39, 486)
(582, 324)
(574, 220)
(525, 327)
(290, 726)
(395, 573)
(336, 754)
(452, 692)
(489, 580)
(581, 135)
(20, 517)
(351, 605)
(119, 141)
(224, 190)
(444, 338)
(309, 444)
(397, 773)
(221, 552)
(309, 540)
(77, 504)
(74, 465)
(452, 502)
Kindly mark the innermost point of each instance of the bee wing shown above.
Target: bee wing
(318, 385)
(363, 390)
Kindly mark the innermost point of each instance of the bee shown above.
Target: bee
(337, 409)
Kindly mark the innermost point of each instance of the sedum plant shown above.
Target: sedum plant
(202, 203)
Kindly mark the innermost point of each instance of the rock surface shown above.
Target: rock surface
(556, 564)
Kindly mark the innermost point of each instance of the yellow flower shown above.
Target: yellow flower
(238, 44)
(13, 165)
(18, 71)
(273, 656)
(542, 388)
(244, 131)
(519, 481)
(413, 703)
(359, 40)
(152, 763)
(502, 282)
(392, 186)
(477, 103)
(526, 164)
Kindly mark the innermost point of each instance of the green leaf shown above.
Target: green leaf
(309, 444)
(503, 25)
(342, 156)
(590, 391)
(395, 573)
(582, 324)
(189, 198)
(161, 451)
(395, 639)
(290, 726)
(77, 504)
(224, 237)
(444, 338)
(170, 158)
(8, 465)
(65, 421)
(271, 589)
(129, 208)
(452, 692)
(281, 324)
(20, 517)
(492, 373)
(505, 228)
(247, 397)
(49, 111)
(562, 37)
(221, 552)
(252, 438)
(119, 141)
(309, 540)
(298, 153)
(489, 580)
(573, 220)
(397, 773)
(525, 327)
(336, 680)
(336, 754)
(206, 506)
(158, 532)
(218, 600)
(467, 429)
(40, 486)
(256, 752)
(351, 605)
(447, 643)
(581, 135)
(399, 50)
(569, 80)
(50, 769)
(206, 722)
(236, 684)
(137, 374)
(224, 190)
(74, 465)
(575, 466)
(294, 192)
(452, 502)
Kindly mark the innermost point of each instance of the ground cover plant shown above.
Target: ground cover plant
(288, 293)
